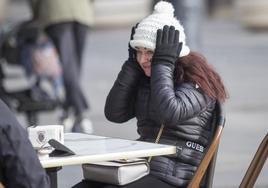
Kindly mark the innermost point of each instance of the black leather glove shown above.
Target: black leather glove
(132, 61)
(167, 48)
(131, 51)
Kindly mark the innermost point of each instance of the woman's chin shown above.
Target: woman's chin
(147, 73)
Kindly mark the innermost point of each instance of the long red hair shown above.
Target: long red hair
(195, 69)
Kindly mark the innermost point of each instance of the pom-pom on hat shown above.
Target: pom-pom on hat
(145, 33)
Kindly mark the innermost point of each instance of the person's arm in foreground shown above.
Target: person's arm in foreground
(19, 164)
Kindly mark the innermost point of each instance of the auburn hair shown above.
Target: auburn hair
(194, 68)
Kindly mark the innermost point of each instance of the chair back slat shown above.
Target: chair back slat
(208, 162)
(256, 165)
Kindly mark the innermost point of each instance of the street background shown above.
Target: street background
(238, 53)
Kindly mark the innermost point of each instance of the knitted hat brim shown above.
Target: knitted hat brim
(142, 43)
(151, 46)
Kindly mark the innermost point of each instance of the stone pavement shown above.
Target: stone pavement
(241, 57)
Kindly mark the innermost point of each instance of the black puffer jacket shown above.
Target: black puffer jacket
(185, 111)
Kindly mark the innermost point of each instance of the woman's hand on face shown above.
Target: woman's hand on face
(168, 47)
(132, 53)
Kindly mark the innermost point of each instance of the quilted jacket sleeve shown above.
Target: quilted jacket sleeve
(120, 101)
(19, 164)
(178, 104)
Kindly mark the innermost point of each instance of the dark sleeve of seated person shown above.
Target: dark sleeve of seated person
(19, 164)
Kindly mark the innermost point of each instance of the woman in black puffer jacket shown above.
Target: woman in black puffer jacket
(162, 82)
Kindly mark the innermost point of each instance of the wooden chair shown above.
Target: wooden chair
(208, 163)
(256, 165)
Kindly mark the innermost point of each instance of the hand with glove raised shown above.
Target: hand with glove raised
(131, 51)
(132, 62)
(168, 47)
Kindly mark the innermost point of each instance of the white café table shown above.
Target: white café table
(92, 148)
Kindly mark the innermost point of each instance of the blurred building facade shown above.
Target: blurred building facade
(122, 12)
(253, 14)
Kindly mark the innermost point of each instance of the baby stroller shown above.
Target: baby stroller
(24, 45)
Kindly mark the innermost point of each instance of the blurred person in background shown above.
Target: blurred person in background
(191, 14)
(163, 82)
(67, 23)
(3, 4)
(19, 164)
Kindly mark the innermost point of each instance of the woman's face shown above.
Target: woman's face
(144, 58)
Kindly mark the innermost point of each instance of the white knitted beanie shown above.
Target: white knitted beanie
(145, 33)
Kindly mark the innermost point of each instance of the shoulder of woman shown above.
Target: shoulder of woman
(189, 89)
(189, 92)
(186, 85)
